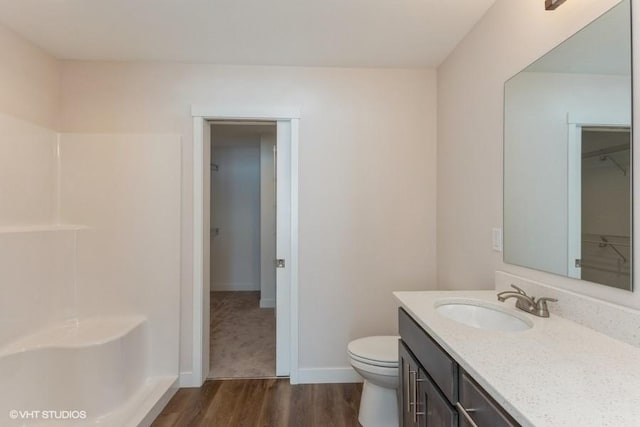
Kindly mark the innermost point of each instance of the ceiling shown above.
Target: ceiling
(359, 33)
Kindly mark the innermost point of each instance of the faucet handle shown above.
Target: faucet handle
(541, 306)
(520, 291)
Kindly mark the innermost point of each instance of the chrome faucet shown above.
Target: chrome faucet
(526, 303)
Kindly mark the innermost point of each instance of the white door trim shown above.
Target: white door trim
(201, 114)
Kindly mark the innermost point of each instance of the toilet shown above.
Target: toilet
(376, 360)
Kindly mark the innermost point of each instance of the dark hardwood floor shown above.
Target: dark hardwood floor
(263, 402)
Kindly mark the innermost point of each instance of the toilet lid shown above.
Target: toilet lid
(381, 350)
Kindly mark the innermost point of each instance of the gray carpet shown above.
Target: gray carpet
(243, 336)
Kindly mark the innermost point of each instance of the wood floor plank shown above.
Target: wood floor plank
(276, 404)
(167, 420)
(350, 397)
(301, 406)
(222, 408)
(321, 413)
(263, 403)
(250, 404)
(191, 403)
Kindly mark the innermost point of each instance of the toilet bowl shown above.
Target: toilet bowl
(376, 360)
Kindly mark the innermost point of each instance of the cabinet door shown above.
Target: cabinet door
(422, 402)
(408, 369)
(432, 406)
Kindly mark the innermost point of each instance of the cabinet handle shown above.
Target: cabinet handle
(415, 395)
(416, 380)
(409, 389)
(465, 414)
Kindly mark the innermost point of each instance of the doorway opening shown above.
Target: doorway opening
(286, 240)
(242, 250)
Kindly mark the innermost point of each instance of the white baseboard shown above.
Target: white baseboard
(187, 380)
(327, 375)
(235, 286)
(267, 302)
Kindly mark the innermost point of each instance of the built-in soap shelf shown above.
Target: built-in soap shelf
(5, 229)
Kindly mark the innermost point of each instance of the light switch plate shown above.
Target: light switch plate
(496, 239)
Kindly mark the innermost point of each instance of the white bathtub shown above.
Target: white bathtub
(90, 372)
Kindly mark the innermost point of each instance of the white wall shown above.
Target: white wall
(470, 101)
(235, 212)
(536, 157)
(267, 221)
(367, 176)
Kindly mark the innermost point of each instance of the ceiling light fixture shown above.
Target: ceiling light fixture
(552, 4)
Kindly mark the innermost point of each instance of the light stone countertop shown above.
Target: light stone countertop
(557, 373)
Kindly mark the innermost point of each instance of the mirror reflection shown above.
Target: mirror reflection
(567, 157)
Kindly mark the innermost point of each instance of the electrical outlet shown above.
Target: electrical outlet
(496, 239)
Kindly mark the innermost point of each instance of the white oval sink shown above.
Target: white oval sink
(482, 315)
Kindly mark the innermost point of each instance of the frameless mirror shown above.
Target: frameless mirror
(567, 157)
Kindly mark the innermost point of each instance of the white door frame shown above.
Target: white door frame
(201, 114)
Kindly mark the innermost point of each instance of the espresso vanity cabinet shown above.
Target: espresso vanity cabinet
(434, 391)
(422, 402)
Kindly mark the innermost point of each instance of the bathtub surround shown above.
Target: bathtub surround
(80, 300)
(28, 171)
(27, 260)
(29, 81)
(57, 366)
(126, 190)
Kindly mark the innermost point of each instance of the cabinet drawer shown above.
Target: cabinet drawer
(480, 407)
(442, 369)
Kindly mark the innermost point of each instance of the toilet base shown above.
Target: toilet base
(378, 406)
